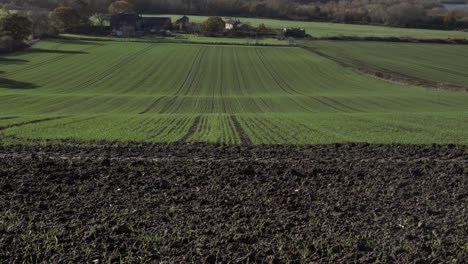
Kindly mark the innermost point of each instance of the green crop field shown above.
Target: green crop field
(433, 62)
(183, 38)
(319, 29)
(159, 92)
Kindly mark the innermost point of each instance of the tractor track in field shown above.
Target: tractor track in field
(272, 128)
(221, 88)
(245, 140)
(273, 76)
(325, 103)
(111, 70)
(154, 104)
(8, 118)
(194, 67)
(335, 102)
(147, 76)
(278, 79)
(30, 122)
(192, 130)
(65, 123)
(196, 203)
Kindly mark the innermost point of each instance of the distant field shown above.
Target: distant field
(98, 90)
(184, 38)
(317, 29)
(433, 62)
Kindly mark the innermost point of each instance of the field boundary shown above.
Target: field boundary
(110, 39)
(449, 41)
(390, 76)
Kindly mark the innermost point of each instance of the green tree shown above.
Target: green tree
(213, 24)
(262, 28)
(17, 26)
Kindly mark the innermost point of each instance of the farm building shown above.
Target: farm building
(182, 22)
(294, 32)
(232, 24)
(129, 24)
(236, 24)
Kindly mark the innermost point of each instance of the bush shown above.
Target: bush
(17, 26)
(213, 24)
(7, 44)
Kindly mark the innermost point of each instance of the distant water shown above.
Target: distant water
(455, 6)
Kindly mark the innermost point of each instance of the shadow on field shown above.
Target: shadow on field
(11, 61)
(12, 84)
(56, 51)
(77, 41)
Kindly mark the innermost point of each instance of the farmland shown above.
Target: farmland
(432, 62)
(144, 151)
(176, 203)
(184, 39)
(147, 92)
(320, 29)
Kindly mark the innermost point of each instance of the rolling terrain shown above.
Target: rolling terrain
(138, 151)
(438, 63)
(116, 91)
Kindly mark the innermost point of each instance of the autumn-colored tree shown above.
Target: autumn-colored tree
(82, 7)
(120, 7)
(63, 18)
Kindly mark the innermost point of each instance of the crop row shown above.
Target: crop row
(150, 92)
(431, 62)
(421, 128)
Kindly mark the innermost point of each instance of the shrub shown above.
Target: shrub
(17, 26)
(7, 44)
(213, 24)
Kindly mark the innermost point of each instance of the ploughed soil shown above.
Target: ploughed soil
(215, 204)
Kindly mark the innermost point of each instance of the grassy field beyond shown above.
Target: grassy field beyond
(183, 39)
(319, 29)
(92, 90)
(433, 62)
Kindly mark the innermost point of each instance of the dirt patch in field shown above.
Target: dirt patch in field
(214, 204)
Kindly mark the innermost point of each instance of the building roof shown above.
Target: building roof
(156, 20)
(138, 22)
(233, 22)
(120, 19)
(183, 19)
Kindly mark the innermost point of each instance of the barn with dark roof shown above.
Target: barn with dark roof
(129, 24)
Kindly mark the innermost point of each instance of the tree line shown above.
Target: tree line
(45, 17)
(402, 13)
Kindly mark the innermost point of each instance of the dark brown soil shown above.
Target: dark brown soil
(257, 204)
